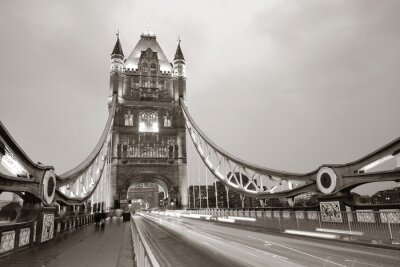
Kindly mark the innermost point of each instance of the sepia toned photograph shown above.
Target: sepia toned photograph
(199, 133)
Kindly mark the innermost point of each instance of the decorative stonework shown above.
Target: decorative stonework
(277, 214)
(312, 215)
(259, 214)
(366, 216)
(286, 214)
(49, 187)
(299, 215)
(7, 241)
(24, 235)
(326, 180)
(268, 214)
(390, 215)
(330, 211)
(48, 227)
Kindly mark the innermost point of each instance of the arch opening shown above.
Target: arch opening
(149, 191)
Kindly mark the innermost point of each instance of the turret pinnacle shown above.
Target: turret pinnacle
(117, 48)
(179, 54)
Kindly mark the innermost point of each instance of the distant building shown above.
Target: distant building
(148, 192)
(389, 196)
(233, 200)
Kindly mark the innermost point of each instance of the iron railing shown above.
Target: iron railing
(380, 227)
(15, 237)
(144, 256)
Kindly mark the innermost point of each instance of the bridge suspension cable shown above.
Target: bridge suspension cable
(93, 174)
(243, 177)
(253, 180)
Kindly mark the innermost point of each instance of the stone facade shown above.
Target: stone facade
(148, 134)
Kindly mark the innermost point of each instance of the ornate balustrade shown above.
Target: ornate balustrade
(18, 236)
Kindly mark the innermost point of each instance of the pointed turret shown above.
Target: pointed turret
(117, 48)
(179, 62)
(179, 54)
(179, 73)
(117, 71)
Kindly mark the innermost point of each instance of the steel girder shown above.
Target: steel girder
(256, 181)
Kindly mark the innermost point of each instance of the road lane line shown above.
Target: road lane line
(244, 246)
(255, 249)
(364, 263)
(298, 251)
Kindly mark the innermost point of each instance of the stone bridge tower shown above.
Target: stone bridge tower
(148, 133)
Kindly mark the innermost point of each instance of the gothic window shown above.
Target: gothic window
(135, 81)
(144, 67)
(128, 118)
(153, 68)
(167, 120)
(147, 83)
(148, 122)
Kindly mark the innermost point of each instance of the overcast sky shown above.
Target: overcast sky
(288, 85)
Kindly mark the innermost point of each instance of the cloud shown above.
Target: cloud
(285, 84)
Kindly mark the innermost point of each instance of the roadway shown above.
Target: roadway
(179, 241)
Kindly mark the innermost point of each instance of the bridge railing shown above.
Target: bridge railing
(143, 254)
(68, 223)
(362, 225)
(15, 237)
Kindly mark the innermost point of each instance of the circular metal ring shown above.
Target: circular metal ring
(49, 186)
(326, 180)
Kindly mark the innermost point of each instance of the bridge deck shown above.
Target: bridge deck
(88, 246)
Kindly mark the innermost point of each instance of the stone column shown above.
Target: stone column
(114, 171)
(183, 186)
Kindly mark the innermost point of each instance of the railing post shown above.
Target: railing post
(390, 229)
(349, 223)
(279, 221)
(319, 218)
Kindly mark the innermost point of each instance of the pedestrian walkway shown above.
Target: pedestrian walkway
(87, 246)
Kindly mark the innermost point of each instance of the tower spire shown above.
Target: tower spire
(117, 48)
(179, 54)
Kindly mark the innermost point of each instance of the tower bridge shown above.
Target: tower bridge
(144, 141)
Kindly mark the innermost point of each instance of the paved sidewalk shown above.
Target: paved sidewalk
(88, 246)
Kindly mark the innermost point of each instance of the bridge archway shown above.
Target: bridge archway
(164, 182)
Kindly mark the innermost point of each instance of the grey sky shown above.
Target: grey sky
(286, 84)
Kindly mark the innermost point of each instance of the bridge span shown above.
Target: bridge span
(144, 142)
(178, 241)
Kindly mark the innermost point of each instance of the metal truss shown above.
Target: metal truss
(241, 176)
(253, 180)
(80, 183)
(19, 174)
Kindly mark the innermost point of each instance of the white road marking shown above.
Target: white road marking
(244, 246)
(364, 263)
(298, 251)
